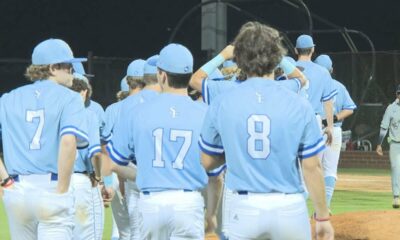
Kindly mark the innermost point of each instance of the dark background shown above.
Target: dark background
(131, 29)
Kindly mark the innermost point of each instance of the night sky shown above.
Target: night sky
(140, 28)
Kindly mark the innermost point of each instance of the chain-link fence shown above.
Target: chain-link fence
(354, 70)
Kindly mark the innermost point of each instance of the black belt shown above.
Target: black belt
(84, 172)
(148, 192)
(53, 177)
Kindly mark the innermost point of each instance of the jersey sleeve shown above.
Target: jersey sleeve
(291, 84)
(108, 124)
(73, 121)
(386, 118)
(94, 137)
(210, 140)
(312, 141)
(348, 103)
(329, 88)
(120, 147)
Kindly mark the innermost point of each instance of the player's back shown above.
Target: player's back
(320, 86)
(167, 130)
(261, 125)
(32, 122)
(98, 109)
(110, 116)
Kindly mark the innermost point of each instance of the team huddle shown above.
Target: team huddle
(252, 127)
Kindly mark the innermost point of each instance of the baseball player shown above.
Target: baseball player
(343, 108)
(267, 201)
(93, 106)
(391, 121)
(151, 88)
(160, 136)
(42, 125)
(89, 210)
(320, 89)
(211, 89)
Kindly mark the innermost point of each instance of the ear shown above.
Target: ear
(52, 69)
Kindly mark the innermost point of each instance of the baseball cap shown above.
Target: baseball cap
(229, 63)
(151, 65)
(81, 77)
(52, 51)
(78, 68)
(175, 58)
(136, 68)
(124, 85)
(324, 61)
(304, 41)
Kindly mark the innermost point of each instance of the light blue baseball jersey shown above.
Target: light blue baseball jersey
(111, 115)
(211, 89)
(342, 101)
(320, 87)
(33, 118)
(98, 109)
(83, 159)
(123, 109)
(262, 127)
(162, 134)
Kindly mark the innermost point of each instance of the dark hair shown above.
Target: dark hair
(193, 93)
(121, 95)
(79, 85)
(304, 51)
(177, 80)
(258, 49)
(135, 82)
(41, 72)
(150, 79)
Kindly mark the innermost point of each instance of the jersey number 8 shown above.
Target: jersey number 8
(258, 143)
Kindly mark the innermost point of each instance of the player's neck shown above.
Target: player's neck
(134, 91)
(304, 58)
(177, 91)
(266, 76)
(154, 87)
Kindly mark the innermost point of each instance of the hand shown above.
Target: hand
(94, 180)
(108, 195)
(227, 52)
(379, 150)
(211, 224)
(324, 231)
(328, 131)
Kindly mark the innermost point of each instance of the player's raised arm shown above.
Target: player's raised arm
(201, 74)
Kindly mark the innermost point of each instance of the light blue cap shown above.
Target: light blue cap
(304, 41)
(291, 60)
(81, 77)
(151, 65)
(124, 85)
(53, 51)
(78, 68)
(324, 61)
(216, 75)
(229, 63)
(136, 68)
(175, 58)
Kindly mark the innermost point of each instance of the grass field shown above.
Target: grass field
(343, 201)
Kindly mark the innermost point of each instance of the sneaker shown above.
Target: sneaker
(396, 202)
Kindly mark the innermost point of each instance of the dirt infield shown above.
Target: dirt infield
(370, 225)
(364, 183)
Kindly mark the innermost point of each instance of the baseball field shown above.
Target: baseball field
(361, 207)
